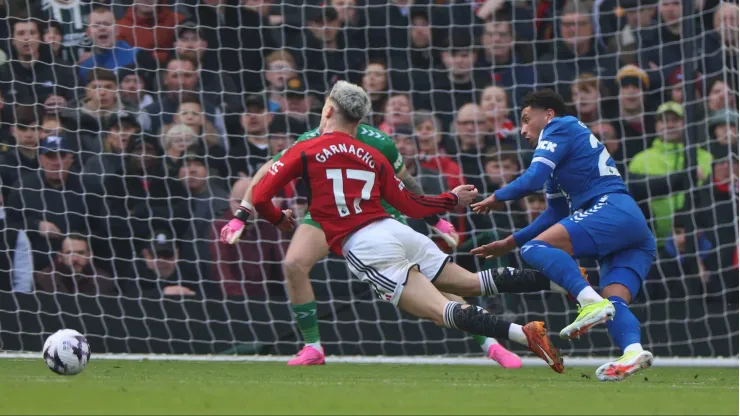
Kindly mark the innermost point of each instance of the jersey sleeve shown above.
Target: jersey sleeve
(393, 192)
(280, 174)
(553, 145)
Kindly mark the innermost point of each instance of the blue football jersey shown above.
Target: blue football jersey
(582, 167)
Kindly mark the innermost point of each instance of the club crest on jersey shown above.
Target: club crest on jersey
(547, 145)
(275, 167)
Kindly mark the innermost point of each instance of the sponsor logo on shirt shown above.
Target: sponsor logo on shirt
(547, 145)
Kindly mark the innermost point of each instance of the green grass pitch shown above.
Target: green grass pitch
(177, 387)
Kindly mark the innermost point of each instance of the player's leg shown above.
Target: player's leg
(307, 247)
(621, 281)
(491, 346)
(395, 260)
(420, 298)
(459, 281)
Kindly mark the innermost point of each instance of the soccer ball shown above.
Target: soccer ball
(66, 352)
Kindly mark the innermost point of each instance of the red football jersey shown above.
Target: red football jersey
(346, 179)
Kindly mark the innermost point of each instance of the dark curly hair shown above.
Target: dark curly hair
(544, 100)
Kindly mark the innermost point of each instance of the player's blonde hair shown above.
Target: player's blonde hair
(353, 102)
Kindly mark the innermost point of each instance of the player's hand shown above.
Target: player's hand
(177, 291)
(231, 232)
(465, 195)
(496, 249)
(287, 224)
(486, 205)
(49, 230)
(446, 231)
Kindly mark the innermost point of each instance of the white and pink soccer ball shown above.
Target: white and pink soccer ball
(66, 352)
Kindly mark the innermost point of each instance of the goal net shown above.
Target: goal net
(130, 131)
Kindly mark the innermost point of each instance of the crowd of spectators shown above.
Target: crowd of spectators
(129, 131)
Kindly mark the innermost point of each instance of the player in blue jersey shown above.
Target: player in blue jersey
(590, 213)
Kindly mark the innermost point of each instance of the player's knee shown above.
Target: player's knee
(295, 268)
(618, 290)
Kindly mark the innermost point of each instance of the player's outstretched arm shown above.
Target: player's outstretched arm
(232, 231)
(418, 206)
(531, 181)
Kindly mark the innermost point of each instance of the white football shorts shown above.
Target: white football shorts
(384, 252)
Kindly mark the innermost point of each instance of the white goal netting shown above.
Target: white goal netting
(129, 130)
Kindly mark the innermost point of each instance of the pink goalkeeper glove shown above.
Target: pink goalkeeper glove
(231, 232)
(447, 232)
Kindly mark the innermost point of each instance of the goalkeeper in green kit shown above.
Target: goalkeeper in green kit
(308, 246)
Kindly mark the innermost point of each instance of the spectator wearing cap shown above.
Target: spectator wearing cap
(121, 128)
(634, 124)
(723, 129)
(298, 103)
(72, 271)
(181, 76)
(90, 118)
(29, 77)
(150, 25)
(666, 156)
(251, 268)
(22, 156)
(508, 62)
(620, 23)
(249, 150)
(676, 86)
(208, 200)
(107, 51)
(326, 56)
(135, 201)
(459, 83)
(576, 43)
(280, 67)
(160, 271)
(134, 86)
(217, 86)
(50, 204)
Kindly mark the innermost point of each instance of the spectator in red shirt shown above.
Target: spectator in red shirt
(428, 138)
(252, 267)
(397, 111)
(151, 26)
(494, 101)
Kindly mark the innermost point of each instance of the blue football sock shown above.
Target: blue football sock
(624, 328)
(556, 264)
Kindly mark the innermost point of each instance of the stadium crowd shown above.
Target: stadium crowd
(129, 131)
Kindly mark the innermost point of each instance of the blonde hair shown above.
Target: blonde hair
(280, 55)
(176, 131)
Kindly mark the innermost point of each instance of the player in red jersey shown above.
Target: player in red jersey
(347, 180)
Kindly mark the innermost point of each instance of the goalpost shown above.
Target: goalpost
(237, 80)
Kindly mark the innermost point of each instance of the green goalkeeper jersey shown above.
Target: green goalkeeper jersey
(372, 137)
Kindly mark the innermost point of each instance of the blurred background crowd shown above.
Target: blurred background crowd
(129, 130)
